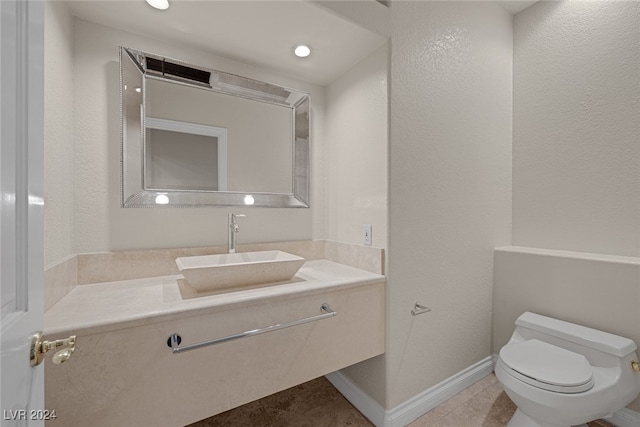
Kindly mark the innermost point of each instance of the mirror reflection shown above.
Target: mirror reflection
(196, 136)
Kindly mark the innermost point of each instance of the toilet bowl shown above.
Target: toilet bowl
(560, 374)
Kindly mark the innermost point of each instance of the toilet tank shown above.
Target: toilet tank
(581, 335)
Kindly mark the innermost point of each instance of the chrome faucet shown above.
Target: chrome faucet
(233, 229)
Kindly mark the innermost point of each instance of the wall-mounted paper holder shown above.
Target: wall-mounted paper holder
(419, 309)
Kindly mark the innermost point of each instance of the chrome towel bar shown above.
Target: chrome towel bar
(175, 339)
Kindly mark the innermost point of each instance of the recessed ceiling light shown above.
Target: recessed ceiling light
(159, 4)
(302, 51)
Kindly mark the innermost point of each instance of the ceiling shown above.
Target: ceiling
(515, 6)
(261, 33)
(257, 32)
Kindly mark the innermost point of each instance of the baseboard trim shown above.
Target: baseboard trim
(368, 406)
(422, 403)
(625, 418)
(418, 405)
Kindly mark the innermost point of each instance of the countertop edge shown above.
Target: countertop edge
(250, 299)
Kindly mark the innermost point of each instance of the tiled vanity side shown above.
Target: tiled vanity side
(59, 279)
(365, 258)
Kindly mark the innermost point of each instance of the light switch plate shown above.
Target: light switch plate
(366, 234)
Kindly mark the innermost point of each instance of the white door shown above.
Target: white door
(21, 209)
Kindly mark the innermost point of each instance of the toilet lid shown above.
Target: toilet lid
(546, 366)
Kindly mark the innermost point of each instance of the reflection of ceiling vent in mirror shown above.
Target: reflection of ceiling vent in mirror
(255, 85)
(251, 88)
(171, 70)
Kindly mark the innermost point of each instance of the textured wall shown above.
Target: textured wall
(100, 224)
(356, 176)
(576, 169)
(356, 140)
(58, 130)
(450, 186)
(576, 156)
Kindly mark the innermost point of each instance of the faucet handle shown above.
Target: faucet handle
(232, 221)
(232, 217)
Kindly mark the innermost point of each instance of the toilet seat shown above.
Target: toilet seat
(548, 367)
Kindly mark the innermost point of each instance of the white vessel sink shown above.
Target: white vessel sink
(214, 272)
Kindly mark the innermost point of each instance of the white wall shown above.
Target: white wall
(450, 186)
(576, 170)
(356, 172)
(356, 141)
(100, 224)
(576, 156)
(58, 131)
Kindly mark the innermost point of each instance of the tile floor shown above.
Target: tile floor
(318, 404)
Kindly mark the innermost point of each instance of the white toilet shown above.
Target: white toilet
(560, 374)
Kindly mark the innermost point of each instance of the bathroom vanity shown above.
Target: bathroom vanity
(150, 350)
(124, 371)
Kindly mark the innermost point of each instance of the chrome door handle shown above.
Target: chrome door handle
(39, 348)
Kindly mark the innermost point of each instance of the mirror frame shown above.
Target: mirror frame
(230, 84)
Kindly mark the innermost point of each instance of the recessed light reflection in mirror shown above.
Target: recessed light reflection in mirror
(249, 200)
(162, 199)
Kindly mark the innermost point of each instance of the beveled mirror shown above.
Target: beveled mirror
(194, 136)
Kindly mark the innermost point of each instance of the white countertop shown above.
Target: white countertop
(108, 306)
